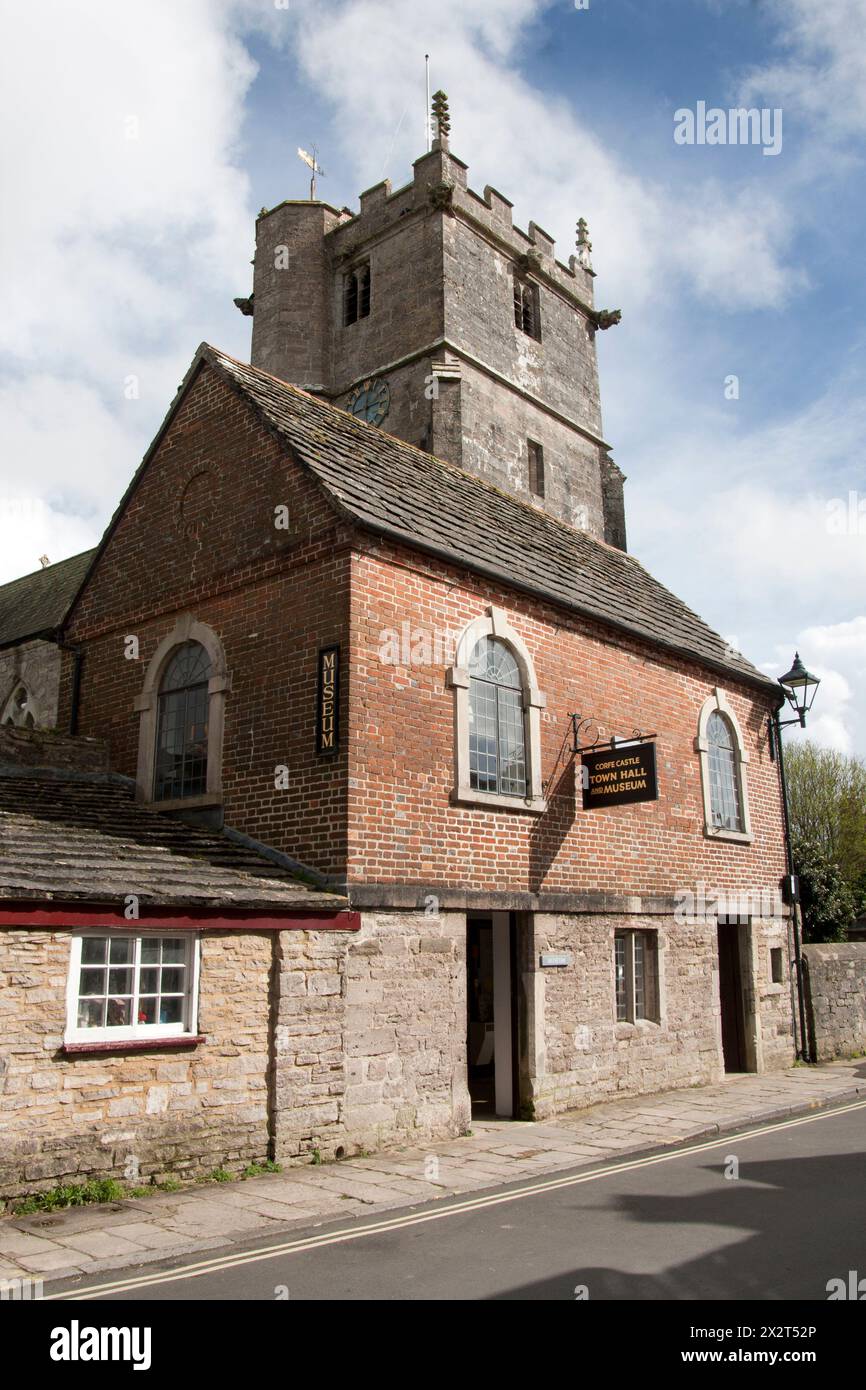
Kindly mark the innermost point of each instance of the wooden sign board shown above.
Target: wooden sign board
(620, 776)
(328, 701)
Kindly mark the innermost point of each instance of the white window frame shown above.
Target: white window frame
(494, 623)
(718, 703)
(135, 1032)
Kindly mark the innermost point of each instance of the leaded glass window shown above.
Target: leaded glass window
(724, 780)
(181, 749)
(497, 737)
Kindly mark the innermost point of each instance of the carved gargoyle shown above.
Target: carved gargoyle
(529, 261)
(606, 318)
(441, 196)
(245, 305)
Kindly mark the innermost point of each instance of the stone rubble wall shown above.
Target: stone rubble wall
(835, 985)
(134, 1115)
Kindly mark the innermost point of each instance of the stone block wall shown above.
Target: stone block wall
(835, 984)
(371, 1036)
(37, 666)
(580, 1054)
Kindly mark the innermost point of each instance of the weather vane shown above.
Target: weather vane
(316, 167)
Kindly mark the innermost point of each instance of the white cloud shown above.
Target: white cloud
(818, 75)
(836, 653)
(125, 217)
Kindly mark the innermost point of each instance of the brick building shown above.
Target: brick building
(360, 603)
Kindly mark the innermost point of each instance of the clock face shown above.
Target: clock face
(370, 401)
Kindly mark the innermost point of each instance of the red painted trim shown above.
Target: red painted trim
(134, 1045)
(178, 919)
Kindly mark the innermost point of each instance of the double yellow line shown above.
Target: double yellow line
(399, 1223)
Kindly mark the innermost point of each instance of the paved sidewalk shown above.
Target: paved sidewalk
(91, 1240)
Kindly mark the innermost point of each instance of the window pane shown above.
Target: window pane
(93, 950)
(174, 949)
(149, 950)
(639, 975)
(120, 981)
(118, 1013)
(189, 666)
(511, 743)
(92, 981)
(121, 952)
(172, 980)
(482, 736)
(149, 983)
(91, 1013)
(724, 784)
(171, 1010)
(182, 743)
(619, 944)
(147, 1010)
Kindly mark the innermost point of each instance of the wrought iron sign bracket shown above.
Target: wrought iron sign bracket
(580, 725)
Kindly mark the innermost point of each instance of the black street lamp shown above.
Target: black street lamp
(799, 689)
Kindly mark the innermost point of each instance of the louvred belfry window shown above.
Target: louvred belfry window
(356, 294)
(181, 754)
(526, 313)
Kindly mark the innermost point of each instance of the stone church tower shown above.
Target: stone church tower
(429, 314)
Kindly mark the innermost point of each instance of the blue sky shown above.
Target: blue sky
(139, 142)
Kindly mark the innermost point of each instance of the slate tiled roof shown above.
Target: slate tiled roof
(86, 839)
(39, 602)
(402, 492)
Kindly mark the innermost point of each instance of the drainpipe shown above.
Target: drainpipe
(793, 890)
(77, 662)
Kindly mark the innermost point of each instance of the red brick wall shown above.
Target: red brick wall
(402, 825)
(207, 545)
(273, 597)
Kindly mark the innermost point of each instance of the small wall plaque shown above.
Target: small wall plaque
(555, 959)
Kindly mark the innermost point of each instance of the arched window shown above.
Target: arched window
(497, 739)
(724, 761)
(182, 723)
(497, 718)
(724, 791)
(182, 704)
(18, 710)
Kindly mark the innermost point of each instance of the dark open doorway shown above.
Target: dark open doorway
(491, 1042)
(731, 997)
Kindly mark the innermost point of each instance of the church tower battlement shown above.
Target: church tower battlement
(431, 315)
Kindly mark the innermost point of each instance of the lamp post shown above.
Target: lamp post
(798, 688)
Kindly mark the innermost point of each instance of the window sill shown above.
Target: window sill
(737, 837)
(74, 1049)
(467, 796)
(629, 1027)
(184, 803)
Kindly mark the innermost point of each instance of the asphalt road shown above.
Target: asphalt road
(672, 1226)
